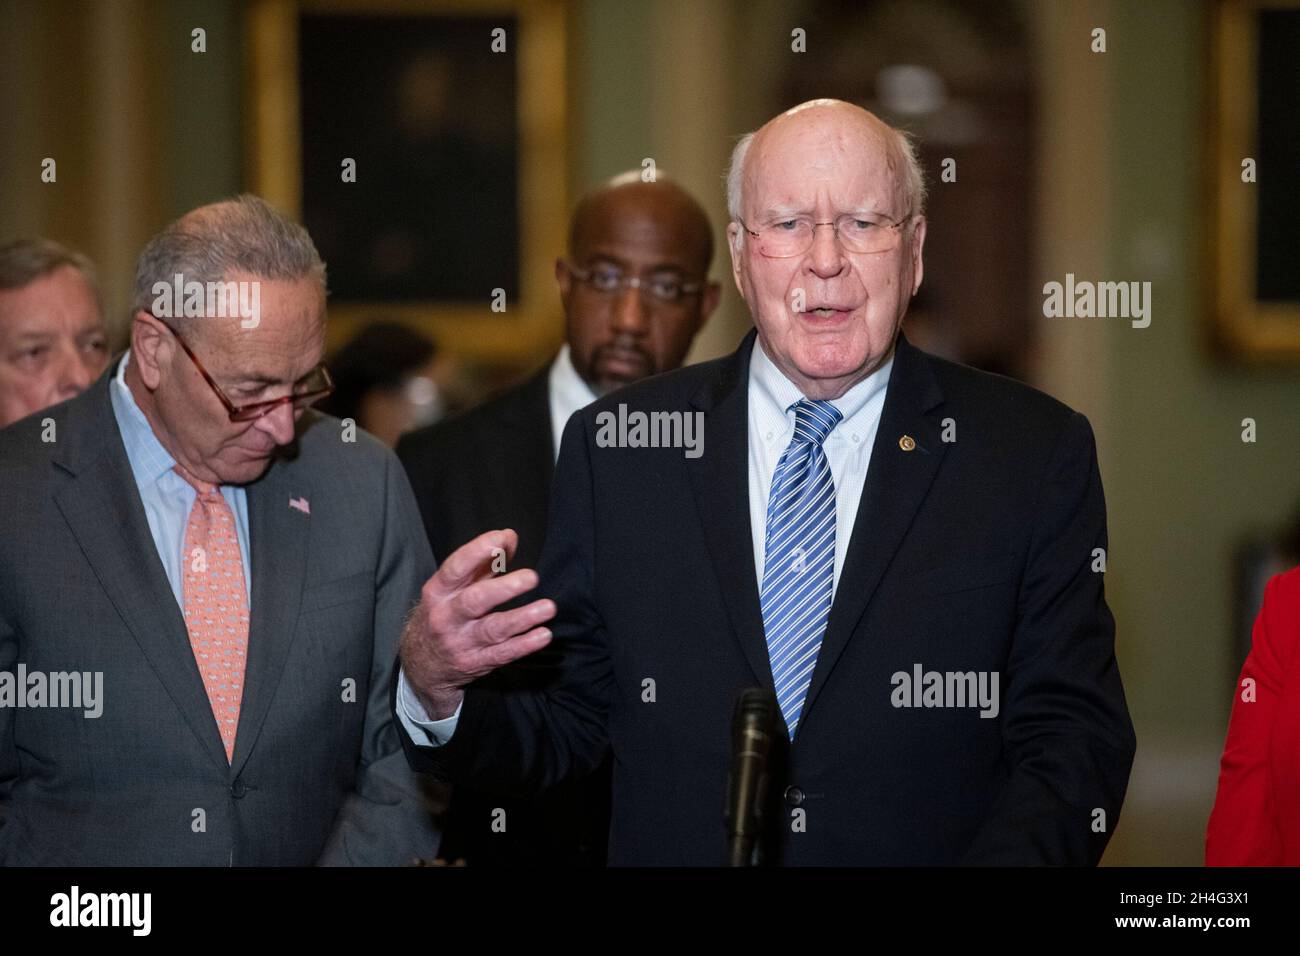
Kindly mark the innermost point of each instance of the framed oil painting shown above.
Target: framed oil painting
(423, 146)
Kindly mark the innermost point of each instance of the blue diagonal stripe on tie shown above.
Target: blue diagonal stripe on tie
(799, 565)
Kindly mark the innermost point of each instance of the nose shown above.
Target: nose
(278, 423)
(826, 255)
(631, 312)
(74, 373)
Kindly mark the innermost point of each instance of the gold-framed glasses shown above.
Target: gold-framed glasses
(857, 232)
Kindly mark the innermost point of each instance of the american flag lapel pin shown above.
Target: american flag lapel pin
(300, 504)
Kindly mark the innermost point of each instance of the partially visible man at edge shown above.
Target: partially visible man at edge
(635, 290)
(52, 339)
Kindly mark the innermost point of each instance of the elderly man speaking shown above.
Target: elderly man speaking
(202, 584)
(892, 551)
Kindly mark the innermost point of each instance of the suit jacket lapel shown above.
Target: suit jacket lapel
(102, 507)
(897, 483)
(527, 446)
(277, 547)
(720, 480)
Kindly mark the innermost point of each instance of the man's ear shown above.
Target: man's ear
(563, 279)
(150, 348)
(918, 242)
(733, 246)
(709, 299)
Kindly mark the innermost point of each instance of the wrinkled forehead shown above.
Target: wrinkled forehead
(275, 319)
(60, 294)
(810, 166)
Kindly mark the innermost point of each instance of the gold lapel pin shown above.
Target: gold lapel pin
(907, 443)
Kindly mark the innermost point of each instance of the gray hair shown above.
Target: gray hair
(244, 234)
(904, 157)
(23, 261)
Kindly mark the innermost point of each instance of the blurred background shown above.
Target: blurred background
(1122, 163)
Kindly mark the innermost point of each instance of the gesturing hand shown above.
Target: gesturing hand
(454, 637)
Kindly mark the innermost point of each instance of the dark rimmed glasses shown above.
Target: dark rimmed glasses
(311, 388)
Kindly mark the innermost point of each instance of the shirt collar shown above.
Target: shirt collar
(777, 393)
(567, 386)
(150, 461)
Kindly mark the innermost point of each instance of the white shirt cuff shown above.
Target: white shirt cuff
(423, 731)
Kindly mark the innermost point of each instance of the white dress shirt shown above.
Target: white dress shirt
(771, 424)
(568, 393)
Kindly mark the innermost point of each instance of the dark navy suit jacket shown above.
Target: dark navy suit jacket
(973, 555)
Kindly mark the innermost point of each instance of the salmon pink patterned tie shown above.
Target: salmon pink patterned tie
(216, 604)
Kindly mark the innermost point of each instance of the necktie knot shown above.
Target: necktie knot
(814, 420)
(204, 489)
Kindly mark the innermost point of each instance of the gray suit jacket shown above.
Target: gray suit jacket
(318, 773)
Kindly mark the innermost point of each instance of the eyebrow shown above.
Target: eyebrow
(34, 335)
(44, 335)
(654, 270)
(782, 212)
(778, 212)
(264, 380)
(257, 379)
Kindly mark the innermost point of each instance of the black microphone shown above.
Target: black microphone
(751, 738)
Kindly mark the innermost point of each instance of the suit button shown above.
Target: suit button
(238, 789)
(793, 797)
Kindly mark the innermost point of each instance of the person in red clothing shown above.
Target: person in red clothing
(1256, 816)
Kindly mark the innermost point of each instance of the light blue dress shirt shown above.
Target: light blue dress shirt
(166, 496)
(771, 423)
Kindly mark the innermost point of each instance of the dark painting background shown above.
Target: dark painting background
(428, 112)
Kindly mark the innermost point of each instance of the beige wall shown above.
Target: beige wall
(110, 91)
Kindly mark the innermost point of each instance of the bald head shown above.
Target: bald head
(626, 203)
(657, 233)
(831, 128)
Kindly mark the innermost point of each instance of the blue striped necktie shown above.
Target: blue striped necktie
(799, 567)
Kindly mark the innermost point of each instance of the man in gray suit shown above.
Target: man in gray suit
(202, 584)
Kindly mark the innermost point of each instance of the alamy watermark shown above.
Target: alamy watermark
(1102, 300)
(209, 300)
(922, 688)
(77, 690)
(639, 429)
(75, 908)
